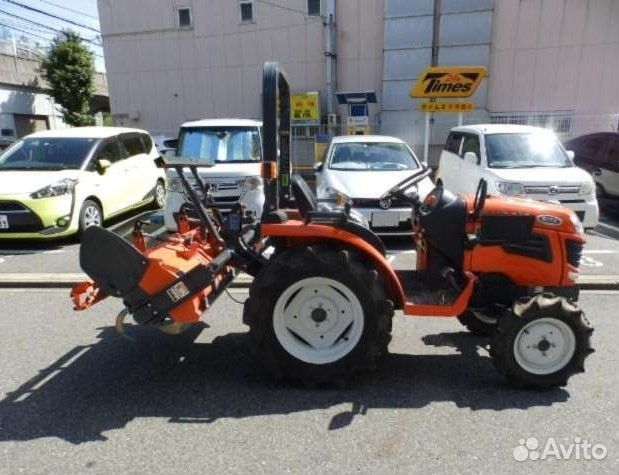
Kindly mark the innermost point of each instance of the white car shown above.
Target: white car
(517, 161)
(57, 182)
(364, 167)
(235, 145)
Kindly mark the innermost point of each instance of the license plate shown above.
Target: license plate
(4, 221)
(385, 219)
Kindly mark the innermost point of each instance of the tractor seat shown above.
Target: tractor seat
(303, 195)
(308, 203)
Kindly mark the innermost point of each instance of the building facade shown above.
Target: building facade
(552, 63)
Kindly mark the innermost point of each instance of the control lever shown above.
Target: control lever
(448, 273)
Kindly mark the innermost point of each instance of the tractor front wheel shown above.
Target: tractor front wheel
(541, 342)
(319, 315)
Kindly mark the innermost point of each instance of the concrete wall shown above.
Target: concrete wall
(557, 55)
(160, 75)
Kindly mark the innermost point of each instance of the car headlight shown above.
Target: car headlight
(577, 223)
(59, 188)
(251, 183)
(587, 189)
(511, 189)
(336, 196)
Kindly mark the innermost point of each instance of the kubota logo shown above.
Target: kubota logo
(448, 82)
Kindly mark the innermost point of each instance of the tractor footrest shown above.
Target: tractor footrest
(421, 288)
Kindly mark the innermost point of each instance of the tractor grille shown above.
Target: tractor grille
(574, 251)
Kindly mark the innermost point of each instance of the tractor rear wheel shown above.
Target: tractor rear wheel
(318, 315)
(541, 342)
(478, 322)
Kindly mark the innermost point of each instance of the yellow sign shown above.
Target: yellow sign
(447, 106)
(448, 81)
(306, 107)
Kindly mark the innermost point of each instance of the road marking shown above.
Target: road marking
(407, 251)
(608, 226)
(590, 262)
(599, 251)
(390, 258)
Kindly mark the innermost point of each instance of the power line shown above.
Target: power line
(34, 35)
(283, 7)
(69, 9)
(44, 26)
(43, 12)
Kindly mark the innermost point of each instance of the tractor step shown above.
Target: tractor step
(421, 288)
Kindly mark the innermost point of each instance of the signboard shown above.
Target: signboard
(447, 107)
(448, 81)
(305, 108)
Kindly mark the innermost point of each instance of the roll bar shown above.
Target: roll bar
(276, 135)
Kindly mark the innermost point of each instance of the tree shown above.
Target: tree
(69, 69)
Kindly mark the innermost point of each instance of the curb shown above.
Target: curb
(68, 280)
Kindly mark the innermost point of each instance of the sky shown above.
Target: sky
(22, 21)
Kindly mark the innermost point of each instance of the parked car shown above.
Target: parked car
(518, 161)
(599, 155)
(59, 182)
(235, 146)
(363, 167)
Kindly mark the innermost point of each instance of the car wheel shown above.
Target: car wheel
(90, 215)
(159, 194)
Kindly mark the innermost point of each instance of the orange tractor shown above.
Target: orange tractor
(321, 302)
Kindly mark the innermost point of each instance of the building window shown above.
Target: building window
(313, 7)
(246, 11)
(184, 17)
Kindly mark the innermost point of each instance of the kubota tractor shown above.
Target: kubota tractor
(320, 306)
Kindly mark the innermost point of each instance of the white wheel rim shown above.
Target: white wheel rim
(544, 346)
(318, 320)
(160, 194)
(92, 217)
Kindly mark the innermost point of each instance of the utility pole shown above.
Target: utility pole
(330, 35)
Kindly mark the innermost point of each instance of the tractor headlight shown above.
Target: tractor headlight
(577, 223)
(511, 189)
(59, 188)
(587, 189)
(251, 183)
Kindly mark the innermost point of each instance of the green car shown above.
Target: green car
(56, 183)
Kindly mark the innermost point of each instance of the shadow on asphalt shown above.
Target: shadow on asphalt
(96, 388)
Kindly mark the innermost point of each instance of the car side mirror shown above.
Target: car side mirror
(424, 164)
(103, 164)
(319, 166)
(471, 157)
(171, 143)
(570, 154)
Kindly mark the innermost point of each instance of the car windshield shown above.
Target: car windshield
(372, 156)
(221, 144)
(45, 153)
(527, 150)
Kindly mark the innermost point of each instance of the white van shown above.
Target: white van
(235, 145)
(518, 161)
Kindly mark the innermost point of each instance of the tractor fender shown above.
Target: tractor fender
(299, 233)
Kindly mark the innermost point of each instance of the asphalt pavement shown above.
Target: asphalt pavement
(78, 398)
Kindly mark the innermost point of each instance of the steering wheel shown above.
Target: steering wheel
(399, 189)
(480, 197)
